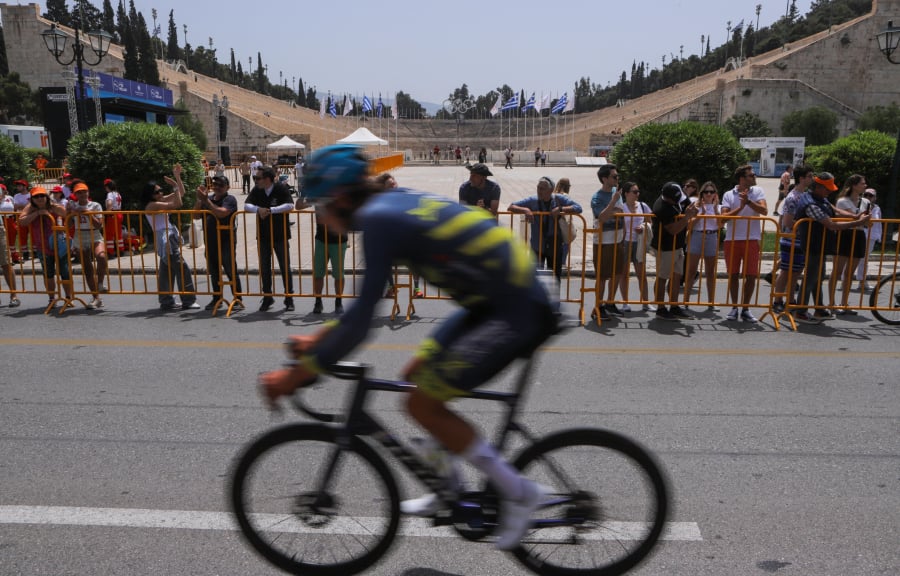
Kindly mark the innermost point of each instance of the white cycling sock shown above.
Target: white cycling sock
(483, 456)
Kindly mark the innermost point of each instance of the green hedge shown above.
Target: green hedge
(654, 154)
(132, 154)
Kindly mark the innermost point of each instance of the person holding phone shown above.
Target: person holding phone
(851, 247)
(873, 235)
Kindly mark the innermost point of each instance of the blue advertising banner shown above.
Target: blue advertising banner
(114, 87)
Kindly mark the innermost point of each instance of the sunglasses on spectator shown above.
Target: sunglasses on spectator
(868, 195)
(709, 191)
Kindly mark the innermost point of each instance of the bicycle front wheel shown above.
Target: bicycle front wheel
(311, 507)
(607, 506)
(885, 299)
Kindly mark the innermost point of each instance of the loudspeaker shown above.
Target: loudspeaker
(223, 127)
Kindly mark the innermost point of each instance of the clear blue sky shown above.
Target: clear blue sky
(427, 49)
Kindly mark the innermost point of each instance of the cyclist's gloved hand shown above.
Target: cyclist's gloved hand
(297, 346)
(277, 383)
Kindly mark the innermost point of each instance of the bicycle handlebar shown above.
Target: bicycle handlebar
(341, 371)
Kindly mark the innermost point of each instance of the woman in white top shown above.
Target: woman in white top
(851, 246)
(873, 235)
(636, 242)
(168, 243)
(703, 243)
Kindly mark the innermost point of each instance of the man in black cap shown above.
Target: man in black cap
(672, 222)
(479, 191)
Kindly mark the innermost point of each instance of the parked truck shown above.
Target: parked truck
(27, 136)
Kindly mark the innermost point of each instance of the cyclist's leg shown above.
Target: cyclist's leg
(464, 353)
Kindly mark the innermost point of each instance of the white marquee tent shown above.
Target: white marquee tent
(285, 143)
(363, 137)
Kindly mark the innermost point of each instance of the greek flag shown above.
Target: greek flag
(511, 104)
(560, 105)
(367, 104)
(332, 108)
(379, 108)
(530, 104)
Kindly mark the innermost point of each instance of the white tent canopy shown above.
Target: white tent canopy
(363, 137)
(285, 143)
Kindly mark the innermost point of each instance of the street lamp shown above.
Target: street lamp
(56, 40)
(888, 42)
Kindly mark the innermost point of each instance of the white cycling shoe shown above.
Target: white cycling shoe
(515, 515)
(424, 506)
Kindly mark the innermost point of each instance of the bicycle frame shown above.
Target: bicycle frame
(360, 423)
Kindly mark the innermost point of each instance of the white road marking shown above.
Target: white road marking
(199, 520)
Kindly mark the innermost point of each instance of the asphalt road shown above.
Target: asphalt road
(119, 428)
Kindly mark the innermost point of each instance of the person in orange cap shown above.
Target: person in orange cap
(40, 216)
(88, 240)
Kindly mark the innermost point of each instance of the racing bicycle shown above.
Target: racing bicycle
(885, 299)
(320, 498)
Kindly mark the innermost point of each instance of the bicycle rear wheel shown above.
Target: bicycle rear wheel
(886, 296)
(306, 516)
(607, 509)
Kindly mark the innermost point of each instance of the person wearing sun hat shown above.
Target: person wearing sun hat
(479, 191)
(814, 232)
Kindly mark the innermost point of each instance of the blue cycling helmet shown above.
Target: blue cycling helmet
(331, 168)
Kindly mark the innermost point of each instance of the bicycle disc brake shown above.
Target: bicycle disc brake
(316, 509)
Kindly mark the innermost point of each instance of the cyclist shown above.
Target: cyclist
(505, 313)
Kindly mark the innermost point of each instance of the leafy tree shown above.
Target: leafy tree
(121, 22)
(86, 15)
(132, 57)
(18, 104)
(146, 53)
(301, 93)
(868, 152)
(654, 154)
(173, 52)
(311, 100)
(882, 118)
(58, 12)
(260, 75)
(817, 124)
(191, 126)
(408, 107)
(747, 125)
(13, 159)
(109, 151)
(108, 20)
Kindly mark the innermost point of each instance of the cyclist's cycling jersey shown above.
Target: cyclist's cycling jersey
(459, 249)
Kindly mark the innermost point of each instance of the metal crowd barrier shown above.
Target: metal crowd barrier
(133, 262)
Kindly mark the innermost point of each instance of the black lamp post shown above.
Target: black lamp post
(55, 40)
(888, 43)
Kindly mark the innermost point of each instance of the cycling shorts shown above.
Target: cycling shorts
(472, 347)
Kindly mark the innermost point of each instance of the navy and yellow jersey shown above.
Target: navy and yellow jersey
(459, 249)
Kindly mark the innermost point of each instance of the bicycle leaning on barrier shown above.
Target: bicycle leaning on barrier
(320, 499)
